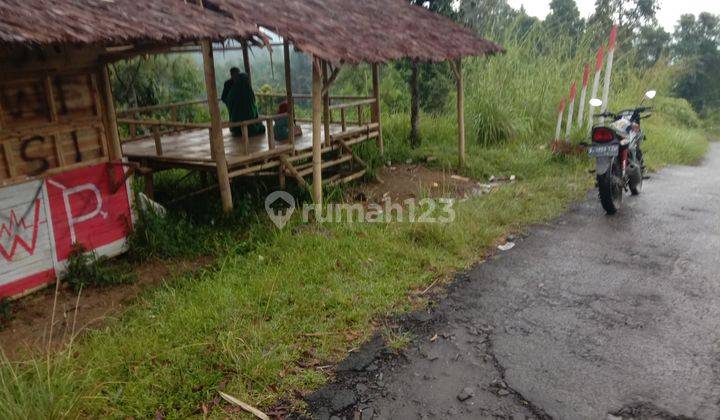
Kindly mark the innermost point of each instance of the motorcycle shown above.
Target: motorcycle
(616, 148)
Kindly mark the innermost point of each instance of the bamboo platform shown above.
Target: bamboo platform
(194, 147)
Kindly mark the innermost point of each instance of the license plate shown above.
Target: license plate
(603, 150)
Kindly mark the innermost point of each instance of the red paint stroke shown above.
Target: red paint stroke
(561, 108)
(613, 36)
(586, 75)
(573, 91)
(12, 230)
(599, 59)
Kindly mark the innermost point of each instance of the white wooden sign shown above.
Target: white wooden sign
(40, 221)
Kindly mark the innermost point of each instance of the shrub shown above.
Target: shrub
(88, 269)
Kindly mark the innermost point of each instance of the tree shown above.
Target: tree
(697, 43)
(629, 15)
(432, 96)
(487, 16)
(651, 44)
(564, 18)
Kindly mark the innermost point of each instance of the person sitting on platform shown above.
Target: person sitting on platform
(240, 101)
(281, 129)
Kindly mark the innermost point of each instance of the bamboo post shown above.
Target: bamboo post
(376, 107)
(288, 91)
(583, 95)
(596, 85)
(270, 134)
(149, 185)
(246, 60)
(571, 111)
(246, 138)
(52, 108)
(561, 111)
(281, 175)
(316, 121)
(111, 117)
(343, 121)
(460, 111)
(158, 140)
(608, 69)
(216, 135)
(326, 103)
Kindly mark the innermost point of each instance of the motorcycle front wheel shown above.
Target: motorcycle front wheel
(611, 191)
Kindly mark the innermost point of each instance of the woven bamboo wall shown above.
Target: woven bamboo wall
(50, 121)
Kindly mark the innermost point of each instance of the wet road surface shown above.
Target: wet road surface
(589, 316)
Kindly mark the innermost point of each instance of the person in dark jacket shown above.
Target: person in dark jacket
(228, 84)
(240, 101)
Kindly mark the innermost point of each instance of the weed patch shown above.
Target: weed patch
(87, 269)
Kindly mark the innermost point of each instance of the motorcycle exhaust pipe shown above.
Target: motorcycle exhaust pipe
(635, 173)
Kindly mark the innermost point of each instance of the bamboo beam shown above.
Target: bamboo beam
(246, 60)
(376, 106)
(316, 133)
(9, 160)
(288, 91)
(330, 80)
(457, 68)
(216, 137)
(50, 98)
(300, 180)
(354, 156)
(326, 102)
(111, 118)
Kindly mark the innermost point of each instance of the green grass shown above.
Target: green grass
(261, 311)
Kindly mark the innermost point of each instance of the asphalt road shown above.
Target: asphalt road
(588, 316)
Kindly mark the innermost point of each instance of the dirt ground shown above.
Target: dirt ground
(28, 329)
(401, 182)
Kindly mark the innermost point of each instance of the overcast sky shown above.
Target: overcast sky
(670, 10)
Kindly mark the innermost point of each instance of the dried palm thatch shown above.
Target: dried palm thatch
(108, 22)
(362, 30)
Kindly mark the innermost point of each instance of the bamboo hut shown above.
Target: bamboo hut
(334, 33)
(63, 181)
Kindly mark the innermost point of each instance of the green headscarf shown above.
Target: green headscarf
(241, 105)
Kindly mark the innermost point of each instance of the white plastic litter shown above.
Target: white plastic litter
(507, 246)
(147, 204)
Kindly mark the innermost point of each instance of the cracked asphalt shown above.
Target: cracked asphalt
(588, 316)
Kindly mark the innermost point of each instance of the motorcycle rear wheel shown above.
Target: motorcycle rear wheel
(611, 191)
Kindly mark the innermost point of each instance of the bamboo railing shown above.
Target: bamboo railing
(359, 111)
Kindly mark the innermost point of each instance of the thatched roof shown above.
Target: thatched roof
(362, 30)
(108, 22)
(335, 30)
